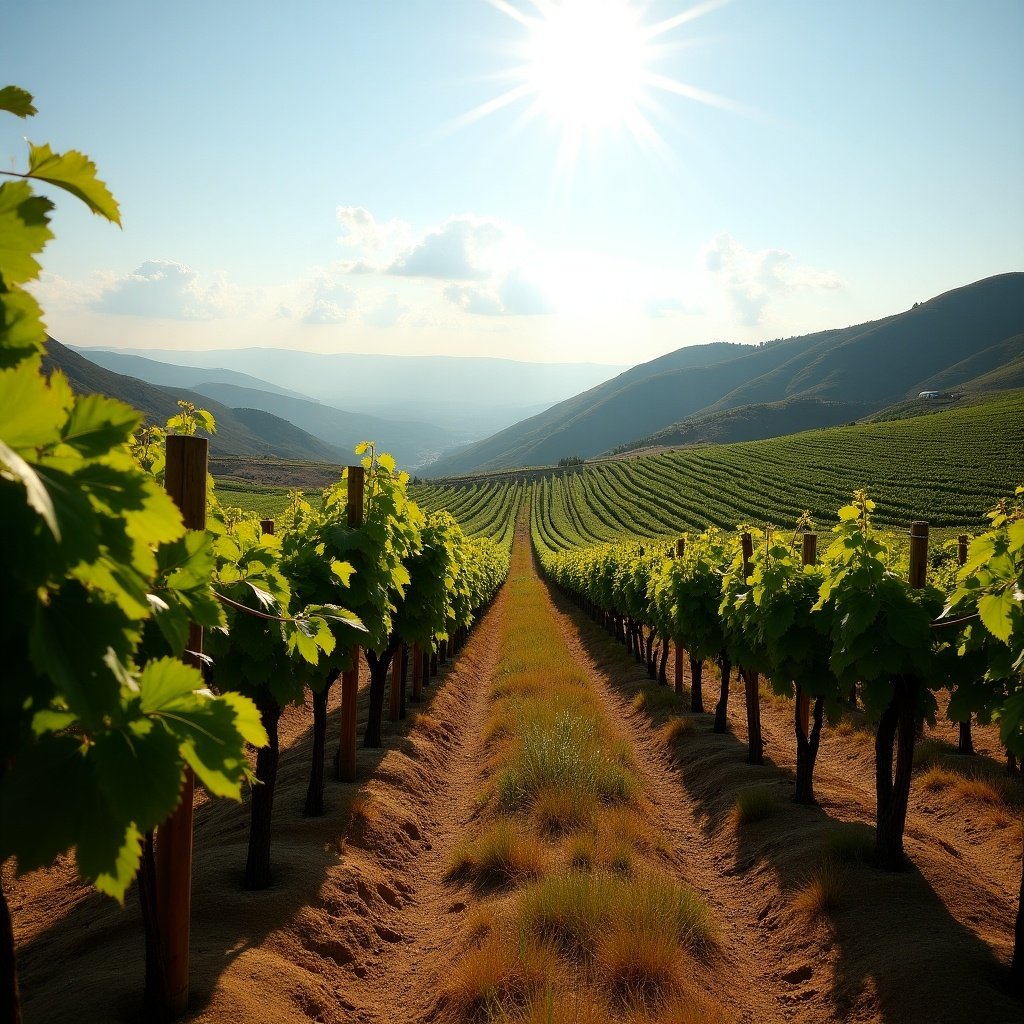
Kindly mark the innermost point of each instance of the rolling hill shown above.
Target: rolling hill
(839, 375)
(237, 434)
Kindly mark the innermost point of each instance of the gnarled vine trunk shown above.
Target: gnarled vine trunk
(722, 708)
(807, 748)
(895, 740)
(663, 664)
(379, 664)
(696, 684)
(257, 864)
(315, 791)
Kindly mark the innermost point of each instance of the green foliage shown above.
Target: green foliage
(991, 585)
(94, 736)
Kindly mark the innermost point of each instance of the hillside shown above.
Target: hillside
(472, 396)
(236, 434)
(952, 338)
(411, 443)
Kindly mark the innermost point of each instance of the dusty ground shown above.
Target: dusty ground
(361, 924)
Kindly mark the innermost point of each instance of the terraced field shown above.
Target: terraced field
(948, 468)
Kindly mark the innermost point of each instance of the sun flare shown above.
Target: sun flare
(587, 61)
(588, 68)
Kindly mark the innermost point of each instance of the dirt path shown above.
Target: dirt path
(362, 925)
(927, 945)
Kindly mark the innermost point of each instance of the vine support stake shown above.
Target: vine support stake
(809, 555)
(350, 677)
(680, 551)
(185, 481)
(751, 680)
(918, 553)
(267, 527)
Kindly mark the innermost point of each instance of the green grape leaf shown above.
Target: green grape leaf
(14, 467)
(75, 173)
(22, 334)
(97, 424)
(167, 684)
(997, 612)
(31, 413)
(24, 231)
(215, 733)
(17, 101)
(139, 772)
(109, 850)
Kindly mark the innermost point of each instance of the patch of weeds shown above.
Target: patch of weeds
(752, 805)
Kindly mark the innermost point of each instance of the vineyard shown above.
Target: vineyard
(947, 469)
(629, 751)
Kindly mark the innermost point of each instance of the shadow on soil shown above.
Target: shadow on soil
(888, 949)
(88, 965)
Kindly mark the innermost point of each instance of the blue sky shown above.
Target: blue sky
(314, 176)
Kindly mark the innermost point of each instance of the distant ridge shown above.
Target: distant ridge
(837, 376)
(236, 434)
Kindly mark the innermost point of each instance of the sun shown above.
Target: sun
(588, 69)
(587, 61)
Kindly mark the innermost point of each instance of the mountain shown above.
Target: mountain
(174, 375)
(411, 443)
(866, 367)
(472, 396)
(237, 434)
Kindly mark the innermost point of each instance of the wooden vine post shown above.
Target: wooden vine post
(965, 741)
(810, 557)
(185, 481)
(680, 551)
(751, 680)
(267, 527)
(350, 677)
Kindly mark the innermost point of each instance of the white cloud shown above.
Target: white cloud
(331, 302)
(164, 289)
(461, 249)
(752, 280)
(361, 230)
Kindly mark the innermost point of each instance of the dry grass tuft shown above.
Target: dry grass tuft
(558, 811)
(969, 787)
(582, 852)
(637, 966)
(752, 805)
(480, 922)
(639, 701)
(365, 812)
(427, 723)
(497, 974)
(502, 855)
(823, 892)
(675, 728)
(850, 844)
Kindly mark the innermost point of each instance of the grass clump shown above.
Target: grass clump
(498, 975)
(753, 805)
(564, 752)
(850, 844)
(676, 728)
(823, 892)
(575, 909)
(558, 811)
(501, 855)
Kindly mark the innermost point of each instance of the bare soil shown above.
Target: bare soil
(362, 925)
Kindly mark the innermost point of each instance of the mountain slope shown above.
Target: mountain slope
(471, 395)
(174, 375)
(872, 365)
(411, 443)
(265, 435)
